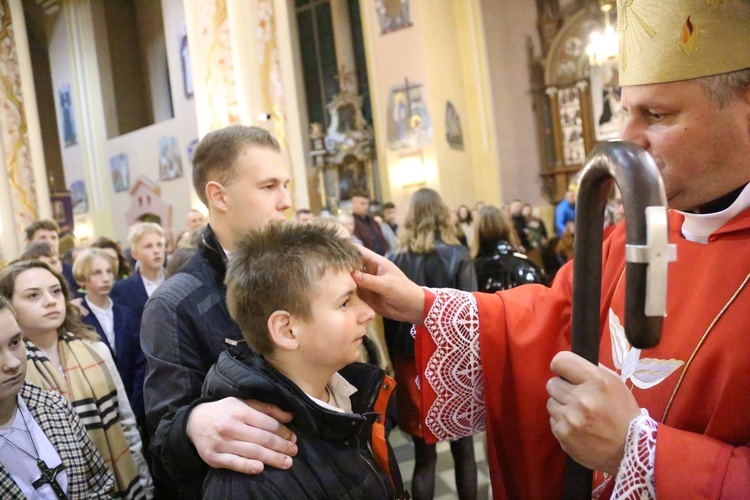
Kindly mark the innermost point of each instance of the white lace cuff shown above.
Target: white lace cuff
(635, 478)
(454, 371)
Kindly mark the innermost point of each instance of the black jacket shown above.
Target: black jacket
(449, 266)
(499, 268)
(334, 459)
(183, 331)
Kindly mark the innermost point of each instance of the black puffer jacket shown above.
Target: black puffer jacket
(334, 459)
(499, 268)
(449, 266)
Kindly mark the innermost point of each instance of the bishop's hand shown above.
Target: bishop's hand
(387, 290)
(590, 410)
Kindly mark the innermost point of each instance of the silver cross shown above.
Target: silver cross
(657, 253)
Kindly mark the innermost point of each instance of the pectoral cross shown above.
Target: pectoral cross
(49, 476)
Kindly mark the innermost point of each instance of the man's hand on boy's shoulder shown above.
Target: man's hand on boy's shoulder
(242, 436)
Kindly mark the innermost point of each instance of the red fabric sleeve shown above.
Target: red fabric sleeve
(705, 467)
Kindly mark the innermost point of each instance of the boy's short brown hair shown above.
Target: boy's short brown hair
(46, 224)
(84, 261)
(276, 268)
(37, 249)
(216, 153)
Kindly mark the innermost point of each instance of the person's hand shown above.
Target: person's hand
(590, 410)
(242, 435)
(387, 290)
(78, 304)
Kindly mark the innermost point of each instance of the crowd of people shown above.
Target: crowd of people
(231, 369)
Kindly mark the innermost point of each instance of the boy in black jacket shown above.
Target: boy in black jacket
(290, 290)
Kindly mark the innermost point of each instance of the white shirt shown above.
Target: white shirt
(23, 468)
(698, 227)
(106, 320)
(340, 391)
(153, 285)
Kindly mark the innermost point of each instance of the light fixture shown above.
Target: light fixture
(412, 169)
(603, 46)
(82, 231)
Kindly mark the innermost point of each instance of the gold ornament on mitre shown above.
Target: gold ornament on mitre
(667, 41)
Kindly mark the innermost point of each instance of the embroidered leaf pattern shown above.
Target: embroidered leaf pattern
(643, 373)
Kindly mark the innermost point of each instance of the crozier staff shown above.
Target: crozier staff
(670, 420)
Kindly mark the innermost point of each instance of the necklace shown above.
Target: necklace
(49, 475)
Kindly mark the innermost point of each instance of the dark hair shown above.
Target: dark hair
(469, 219)
(302, 211)
(72, 323)
(123, 266)
(46, 224)
(388, 204)
(276, 268)
(179, 258)
(37, 249)
(216, 153)
(360, 193)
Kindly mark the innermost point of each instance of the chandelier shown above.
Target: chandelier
(603, 45)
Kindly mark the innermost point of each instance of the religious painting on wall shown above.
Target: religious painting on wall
(170, 162)
(66, 115)
(571, 124)
(453, 132)
(393, 15)
(409, 124)
(120, 172)
(609, 117)
(78, 197)
(187, 67)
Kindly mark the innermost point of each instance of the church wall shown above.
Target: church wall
(507, 25)
(443, 52)
(393, 58)
(141, 146)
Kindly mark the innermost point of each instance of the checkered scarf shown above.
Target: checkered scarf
(88, 385)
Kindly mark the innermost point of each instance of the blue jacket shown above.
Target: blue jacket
(184, 327)
(131, 292)
(129, 358)
(564, 213)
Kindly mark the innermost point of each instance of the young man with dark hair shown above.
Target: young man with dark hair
(239, 173)
(366, 228)
(306, 330)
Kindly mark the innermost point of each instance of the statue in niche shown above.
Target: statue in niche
(343, 155)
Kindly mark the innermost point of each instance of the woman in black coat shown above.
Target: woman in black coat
(430, 254)
(498, 266)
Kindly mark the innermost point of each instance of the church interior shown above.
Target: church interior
(481, 100)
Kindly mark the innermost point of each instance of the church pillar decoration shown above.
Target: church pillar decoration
(239, 72)
(20, 189)
(213, 64)
(270, 69)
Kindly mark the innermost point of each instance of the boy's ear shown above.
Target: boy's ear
(216, 195)
(280, 329)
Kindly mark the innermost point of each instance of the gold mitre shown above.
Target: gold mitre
(670, 40)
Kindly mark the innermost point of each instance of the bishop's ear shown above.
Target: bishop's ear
(281, 331)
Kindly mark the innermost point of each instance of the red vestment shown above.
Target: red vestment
(695, 383)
